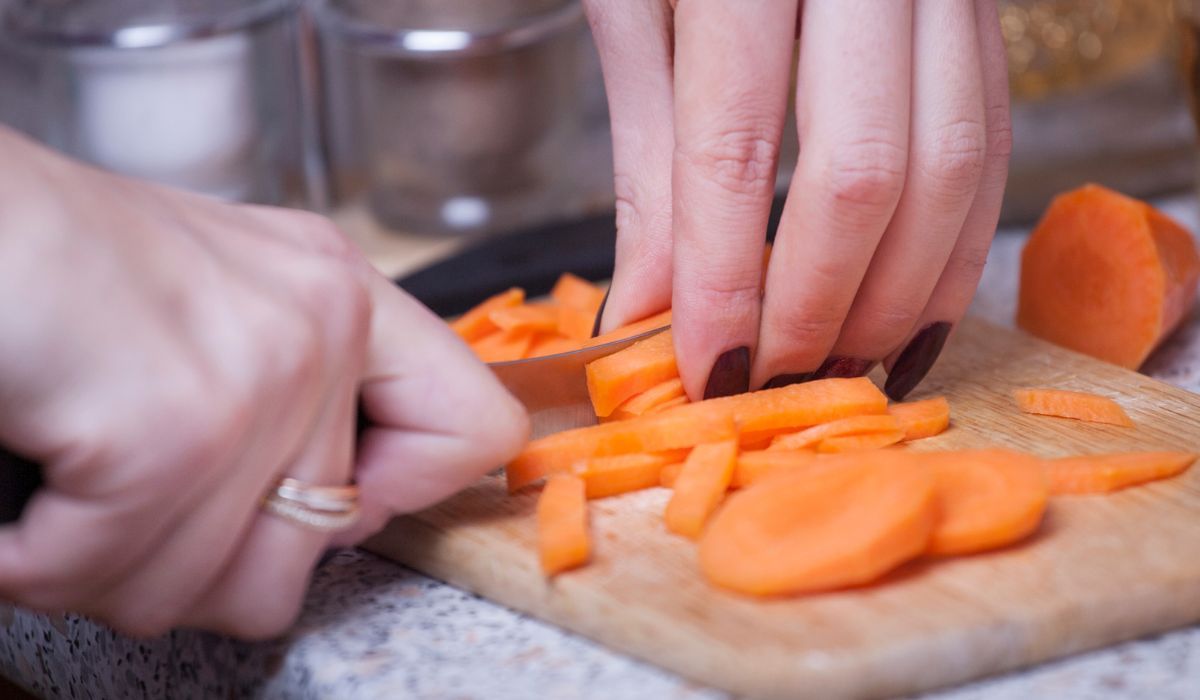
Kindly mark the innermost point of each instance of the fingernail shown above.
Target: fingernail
(843, 367)
(730, 374)
(787, 380)
(600, 314)
(915, 360)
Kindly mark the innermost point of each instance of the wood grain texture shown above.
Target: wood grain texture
(1100, 569)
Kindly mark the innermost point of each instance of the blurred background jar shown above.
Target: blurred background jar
(459, 116)
(199, 94)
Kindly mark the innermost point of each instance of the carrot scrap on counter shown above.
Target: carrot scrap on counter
(858, 443)
(1110, 472)
(1072, 404)
(562, 527)
(853, 425)
(610, 476)
(614, 379)
(922, 419)
(700, 486)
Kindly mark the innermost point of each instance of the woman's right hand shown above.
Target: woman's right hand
(167, 358)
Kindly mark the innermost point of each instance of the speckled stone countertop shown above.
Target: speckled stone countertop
(373, 629)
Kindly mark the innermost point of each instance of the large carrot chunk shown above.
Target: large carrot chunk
(563, 541)
(616, 378)
(609, 476)
(700, 487)
(1111, 472)
(1072, 404)
(477, 323)
(574, 292)
(807, 530)
(789, 407)
(854, 425)
(986, 499)
(1106, 275)
(922, 419)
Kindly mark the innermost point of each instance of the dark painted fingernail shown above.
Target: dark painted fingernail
(843, 367)
(730, 374)
(915, 360)
(600, 314)
(787, 380)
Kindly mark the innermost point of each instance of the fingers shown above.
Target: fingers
(438, 418)
(956, 285)
(852, 109)
(944, 166)
(635, 44)
(732, 62)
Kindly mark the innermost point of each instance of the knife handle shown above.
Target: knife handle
(19, 479)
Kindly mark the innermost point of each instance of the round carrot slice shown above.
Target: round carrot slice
(986, 499)
(815, 530)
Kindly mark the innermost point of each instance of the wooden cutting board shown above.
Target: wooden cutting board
(1100, 570)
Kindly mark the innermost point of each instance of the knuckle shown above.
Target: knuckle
(267, 617)
(889, 321)
(868, 172)
(809, 327)
(968, 262)
(955, 162)
(337, 302)
(723, 293)
(323, 236)
(740, 161)
(999, 132)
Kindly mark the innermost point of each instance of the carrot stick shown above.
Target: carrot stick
(616, 378)
(754, 465)
(667, 405)
(853, 425)
(577, 293)
(1111, 472)
(700, 487)
(609, 476)
(858, 443)
(804, 531)
(659, 320)
(1106, 275)
(563, 541)
(922, 419)
(574, 323)
(1072, 404)
(650, 398)
(476, 323)
(503, 346)
(551, 344)
(986, 499)
(668, 475)
(538, 318)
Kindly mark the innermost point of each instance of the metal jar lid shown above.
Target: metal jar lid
(131, 24)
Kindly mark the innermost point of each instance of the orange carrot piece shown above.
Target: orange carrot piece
(616, 378)
(668, 475)
(986, 499)
(788, 407)
(538, 318)
(563, 540)
(655, 322)
(503, 346)
(1072, 404)
(701, 485)
(667, 405)
(610, 476)
(754, 465)
(574, 292)
(805, 531)
(1112, 472)
(650, 398)
(853, 425)
(574, 324)
(551, 344)
(475, 324)
(1106, 275)
(922, 419)
(858, 443)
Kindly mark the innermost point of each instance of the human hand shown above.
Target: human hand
(167, 358)
(902, 110)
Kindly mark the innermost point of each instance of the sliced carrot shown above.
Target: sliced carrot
(986, 499)
(759, 440)
(1111, 472)
(538, 318)
(858, 443)
(476, 323)
(616, 378)
(574, 324)
(610, 476)
(853, 425)
(574, 292)
(654, 396)
(1106, 275)
(805, 531)
(922, 419)
(551, 344)
(563, 541)
(668, 475)
(667, 405)
(659, 320)
(788, 407)
(503, 346)
(700, 487)
(1072, 404)
(754, 465)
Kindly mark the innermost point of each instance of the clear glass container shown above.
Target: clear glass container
(199, 94)
(452, 116)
